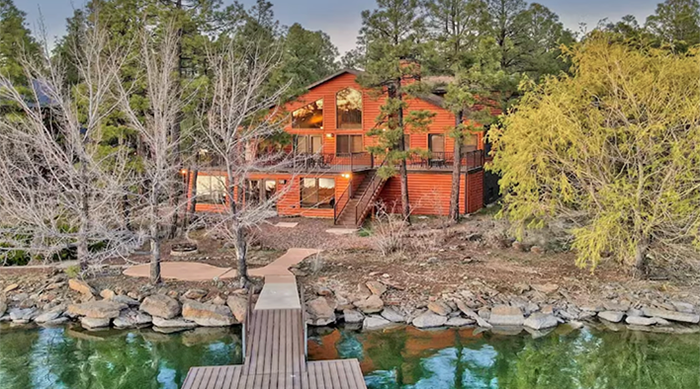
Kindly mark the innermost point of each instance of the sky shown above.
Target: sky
(341, 18)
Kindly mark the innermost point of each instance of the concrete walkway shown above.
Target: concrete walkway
(276, 272)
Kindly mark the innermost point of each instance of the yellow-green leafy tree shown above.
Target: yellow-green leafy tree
(613, 150)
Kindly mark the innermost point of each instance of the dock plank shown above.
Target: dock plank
(275, 342)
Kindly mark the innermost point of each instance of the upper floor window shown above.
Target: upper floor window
(309, 116)
(471, 142)
(349, 108)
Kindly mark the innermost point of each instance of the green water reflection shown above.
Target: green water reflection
(66, 358)
(391, 359)
(456, 359)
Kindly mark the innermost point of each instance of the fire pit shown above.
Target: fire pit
(183, 249)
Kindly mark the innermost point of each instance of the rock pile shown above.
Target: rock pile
(535, 308)
(81, 302)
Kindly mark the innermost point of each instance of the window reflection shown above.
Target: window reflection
(349, 108)
(317, 192)
(310, 116)
(211, 189)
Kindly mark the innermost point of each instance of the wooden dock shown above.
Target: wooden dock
(275, 350)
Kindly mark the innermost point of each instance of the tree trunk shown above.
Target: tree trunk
(176, 198)
(155, 254)
(640, 258)
(403, 171)
(191, 198)
(241, 255)
(83, 249)
(456, 172)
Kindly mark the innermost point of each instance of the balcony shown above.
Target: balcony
(357, 162)
(445, 161)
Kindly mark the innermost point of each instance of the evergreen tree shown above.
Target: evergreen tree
(16, 43)
(392, 39)
(308, 57)
(676, 22)
(456, 27)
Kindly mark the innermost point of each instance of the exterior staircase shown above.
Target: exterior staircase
(357, 207)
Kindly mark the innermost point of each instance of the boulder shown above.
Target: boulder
(208, 315)
(622, 306)
(159, 322)
(10, 288)
(324, 291)
(672, 315)
(56, 322)
(51, 315)
(459, 322)
(393, 315)
(376, 287)
(3, 307)
(132, 319)
(107, 294)
(640, 321)
(91, 323)
(81, 287)
(22, 316)
(161, 306)
(548, 288)
(375, 322)
(611, 316)
(439, 307)
(504, 315)
(469, 313)
(217, 300)
(125, 300)
(539, 321)
(429, 319)
(195, 294)
(353, 316)
(238, 305)
(683, 307)
(97, 309)
(372, 304)
(320, 312)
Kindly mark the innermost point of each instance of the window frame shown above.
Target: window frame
(323, 107)
(349, 152)
(317, 203)
(359, 125)
(309, 142)
(209, 199)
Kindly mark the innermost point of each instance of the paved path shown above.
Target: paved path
(276, 272)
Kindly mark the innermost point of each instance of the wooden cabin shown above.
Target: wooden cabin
(335, 176)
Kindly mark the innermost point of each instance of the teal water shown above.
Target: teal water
(403, 358)
(43, 358)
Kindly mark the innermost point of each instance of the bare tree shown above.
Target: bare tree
(239, 118)
(58, 182)
(160, 168)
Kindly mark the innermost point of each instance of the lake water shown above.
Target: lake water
(396, 358)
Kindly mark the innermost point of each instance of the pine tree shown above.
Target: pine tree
(16, 44)
(392, 37)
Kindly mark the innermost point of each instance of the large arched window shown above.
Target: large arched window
(349, 108)
(309, 116)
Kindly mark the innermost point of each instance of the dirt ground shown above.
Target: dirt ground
(439, 260)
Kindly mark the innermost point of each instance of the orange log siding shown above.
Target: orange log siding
(443, 121)
(429, 193)
(289, 203)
